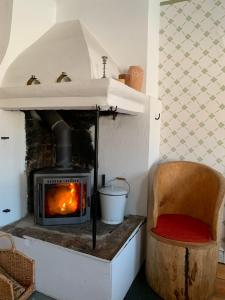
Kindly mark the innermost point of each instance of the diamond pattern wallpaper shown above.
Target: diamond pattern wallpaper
(192, 82)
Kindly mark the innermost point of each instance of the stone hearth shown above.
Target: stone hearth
(110, 238)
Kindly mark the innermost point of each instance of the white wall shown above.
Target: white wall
(12, 166)
(123, 151)
(5, 25)
(123, 28)
(120, 26)
(152, 87)
(30, 19)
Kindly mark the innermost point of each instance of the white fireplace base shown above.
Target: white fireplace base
(69, 275)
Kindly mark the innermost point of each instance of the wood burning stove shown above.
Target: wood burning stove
(61, 197)
(61, 194)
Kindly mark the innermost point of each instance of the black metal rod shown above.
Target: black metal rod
(103, 180)
(94, 204)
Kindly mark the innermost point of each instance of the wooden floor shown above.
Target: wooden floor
(220, 283)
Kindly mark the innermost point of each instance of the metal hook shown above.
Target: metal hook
(97, 107)
(114, 112)
(157, 118)
(33, 80)
(63, 78)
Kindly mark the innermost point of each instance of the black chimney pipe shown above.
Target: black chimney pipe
(63, 136)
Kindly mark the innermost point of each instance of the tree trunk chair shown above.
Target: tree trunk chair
(183, 230)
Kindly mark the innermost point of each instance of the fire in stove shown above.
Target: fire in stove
(64, 199)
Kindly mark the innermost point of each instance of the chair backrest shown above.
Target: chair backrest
(188, 188)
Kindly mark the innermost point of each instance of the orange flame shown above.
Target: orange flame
(63, 199)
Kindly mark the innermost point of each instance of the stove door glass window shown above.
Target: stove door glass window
(64, 200)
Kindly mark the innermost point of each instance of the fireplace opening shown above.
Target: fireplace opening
(62, 192)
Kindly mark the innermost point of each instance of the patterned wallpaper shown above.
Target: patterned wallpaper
(192, 82)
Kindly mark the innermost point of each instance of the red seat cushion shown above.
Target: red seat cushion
(182, 228)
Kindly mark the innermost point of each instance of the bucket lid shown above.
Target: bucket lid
(113, 191)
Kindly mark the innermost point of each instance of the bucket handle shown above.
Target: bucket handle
(9, 237)
(120, 179)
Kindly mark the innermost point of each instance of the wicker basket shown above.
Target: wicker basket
(17, 266)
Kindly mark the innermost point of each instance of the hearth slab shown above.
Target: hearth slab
(110, 238)
(65, 274)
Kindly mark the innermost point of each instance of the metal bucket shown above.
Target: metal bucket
(113, 201)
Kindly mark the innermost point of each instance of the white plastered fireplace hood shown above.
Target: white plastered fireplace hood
(67, 47)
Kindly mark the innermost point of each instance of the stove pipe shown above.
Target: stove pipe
(63, 137)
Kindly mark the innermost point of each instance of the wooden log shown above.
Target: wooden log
(165, 265)
(181, 273)
(202, 273)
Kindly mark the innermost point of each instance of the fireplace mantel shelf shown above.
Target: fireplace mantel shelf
(77, 95)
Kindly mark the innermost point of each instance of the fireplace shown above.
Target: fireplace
(61, 197)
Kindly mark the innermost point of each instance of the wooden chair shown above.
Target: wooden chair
(184, 219)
